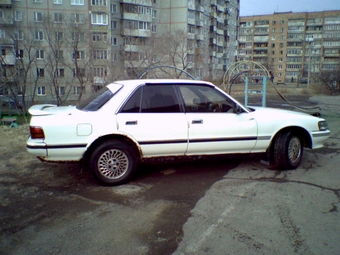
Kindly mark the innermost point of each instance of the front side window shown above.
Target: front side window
(198, 98)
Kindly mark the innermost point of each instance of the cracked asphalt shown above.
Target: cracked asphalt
(207, 206)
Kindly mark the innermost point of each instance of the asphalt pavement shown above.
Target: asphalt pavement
(255, 210)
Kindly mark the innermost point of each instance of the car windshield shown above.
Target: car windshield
(97, 100)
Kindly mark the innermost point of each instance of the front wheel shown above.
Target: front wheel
(287, 150)
(113, 162)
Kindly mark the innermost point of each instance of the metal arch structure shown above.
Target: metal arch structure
(233, 72)
(140, 76)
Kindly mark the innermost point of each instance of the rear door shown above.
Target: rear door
(154, 118)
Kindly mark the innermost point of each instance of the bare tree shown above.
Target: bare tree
(330, 80)
(23, 51)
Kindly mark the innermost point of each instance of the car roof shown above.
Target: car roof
(137, 82)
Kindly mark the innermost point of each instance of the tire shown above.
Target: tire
(287, 150)
(113, 162)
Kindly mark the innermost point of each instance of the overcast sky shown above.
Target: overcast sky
(260, 7)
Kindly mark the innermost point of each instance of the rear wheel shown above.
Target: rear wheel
(287, 150)
(113, 162)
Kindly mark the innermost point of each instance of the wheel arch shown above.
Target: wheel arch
(118, 137)
(302, 133)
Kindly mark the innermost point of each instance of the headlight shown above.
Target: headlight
(323, 125)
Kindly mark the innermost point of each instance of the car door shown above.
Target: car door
(214, 128)
(153, 117)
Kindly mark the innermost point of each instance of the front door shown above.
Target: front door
(214, 128)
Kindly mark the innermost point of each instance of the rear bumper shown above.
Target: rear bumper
(55, 153)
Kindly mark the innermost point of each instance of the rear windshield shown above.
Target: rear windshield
(97, 100)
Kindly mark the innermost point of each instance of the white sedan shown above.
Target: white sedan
(128, 122)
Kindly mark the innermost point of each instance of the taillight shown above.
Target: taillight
(37, 133)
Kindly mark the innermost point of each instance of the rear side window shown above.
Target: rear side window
(96, 101)
(153, 99)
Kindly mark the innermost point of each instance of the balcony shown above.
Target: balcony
(199, 37)
(6, 3)
(136, 16)
(138, 2)
(136, 32)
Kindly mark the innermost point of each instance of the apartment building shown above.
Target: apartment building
(297, 47)
(62, 50)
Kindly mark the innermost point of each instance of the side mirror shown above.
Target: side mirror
(237, 109)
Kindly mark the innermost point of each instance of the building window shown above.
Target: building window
(59, 54)
(154, 28)
(58, 36)
(78, 18)
(58, 1)
(99, 19)
(60, 72)
(99, 2)
(113, 24)
(37, 1)
(100, 54)
(78, 37)
(58, 17)
(280, 59)
(77, 2)
(39, 35)
(154, 13)
(99, 72)
(114, 41)
(282, 22)
(61, 91)
(40, 54)
(114, 56)
(78, 55)
(40, 72)
(80, 72)
(142, 25)
(17, 16)
(37, 17)
(19, 54)
(274, 22)
(2, 33)
(41, 91)
(77, 90)
(113, 8)
(99, 36)
(282, 29)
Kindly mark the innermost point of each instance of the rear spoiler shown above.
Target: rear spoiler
(39, 109)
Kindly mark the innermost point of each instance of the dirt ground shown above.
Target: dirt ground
(48, 208)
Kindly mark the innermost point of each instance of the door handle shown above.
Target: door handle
(133, 122)
(197, 122)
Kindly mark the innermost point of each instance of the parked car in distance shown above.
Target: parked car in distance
(128, 122)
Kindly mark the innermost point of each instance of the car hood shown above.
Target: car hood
(50, 109)
(275, 113)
